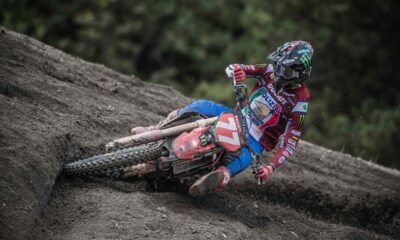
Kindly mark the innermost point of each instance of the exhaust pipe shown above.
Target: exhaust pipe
(155, 135)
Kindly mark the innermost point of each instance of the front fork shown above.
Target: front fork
(240, 92)
(255, 165)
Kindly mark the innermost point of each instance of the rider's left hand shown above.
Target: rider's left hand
(264, 171)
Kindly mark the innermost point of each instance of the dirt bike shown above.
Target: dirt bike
(179, 152)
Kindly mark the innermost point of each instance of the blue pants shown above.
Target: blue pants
(212, 109)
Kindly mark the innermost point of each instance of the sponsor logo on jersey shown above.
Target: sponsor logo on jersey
(295, 132)
(286, 154)
(289, 149)
(281, 159)
(264, 111)
(290, 99)
(292, 142)
(301, 121)
(280, 98)
(301, 107)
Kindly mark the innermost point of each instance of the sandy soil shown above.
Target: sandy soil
(56, 108)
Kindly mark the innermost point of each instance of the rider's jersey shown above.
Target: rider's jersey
(270, 114)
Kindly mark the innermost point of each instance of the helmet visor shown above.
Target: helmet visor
(286, 72)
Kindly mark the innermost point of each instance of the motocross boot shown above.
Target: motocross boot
(210, 182)
(171, 116)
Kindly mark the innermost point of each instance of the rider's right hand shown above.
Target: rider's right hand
(230, 69)
(239, 75)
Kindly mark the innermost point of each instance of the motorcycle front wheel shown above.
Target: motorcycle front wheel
(114, 161)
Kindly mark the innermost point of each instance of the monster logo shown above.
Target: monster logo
(305, 59)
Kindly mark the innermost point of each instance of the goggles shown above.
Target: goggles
(286, 72)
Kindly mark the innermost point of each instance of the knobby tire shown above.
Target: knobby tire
(114, 161)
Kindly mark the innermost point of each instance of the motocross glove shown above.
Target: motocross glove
(238, 75)
(264, 171)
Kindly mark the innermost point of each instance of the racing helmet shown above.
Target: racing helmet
(292, 64)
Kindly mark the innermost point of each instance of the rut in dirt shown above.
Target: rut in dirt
(56, 108)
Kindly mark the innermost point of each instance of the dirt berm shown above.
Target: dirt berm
(56, 108)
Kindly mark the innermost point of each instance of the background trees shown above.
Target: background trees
(187, 44)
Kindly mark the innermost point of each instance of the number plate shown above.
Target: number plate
(227, 132)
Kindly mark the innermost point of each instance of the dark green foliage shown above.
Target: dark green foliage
(187, 44)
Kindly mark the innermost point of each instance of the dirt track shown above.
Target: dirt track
(56, 108)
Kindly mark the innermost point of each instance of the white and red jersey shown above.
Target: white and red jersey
(270, 114)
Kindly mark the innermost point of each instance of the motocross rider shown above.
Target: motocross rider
(277, 105)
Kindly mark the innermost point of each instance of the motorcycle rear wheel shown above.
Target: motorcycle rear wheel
(114, 161)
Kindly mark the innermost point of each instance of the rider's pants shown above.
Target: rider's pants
(212, 109)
